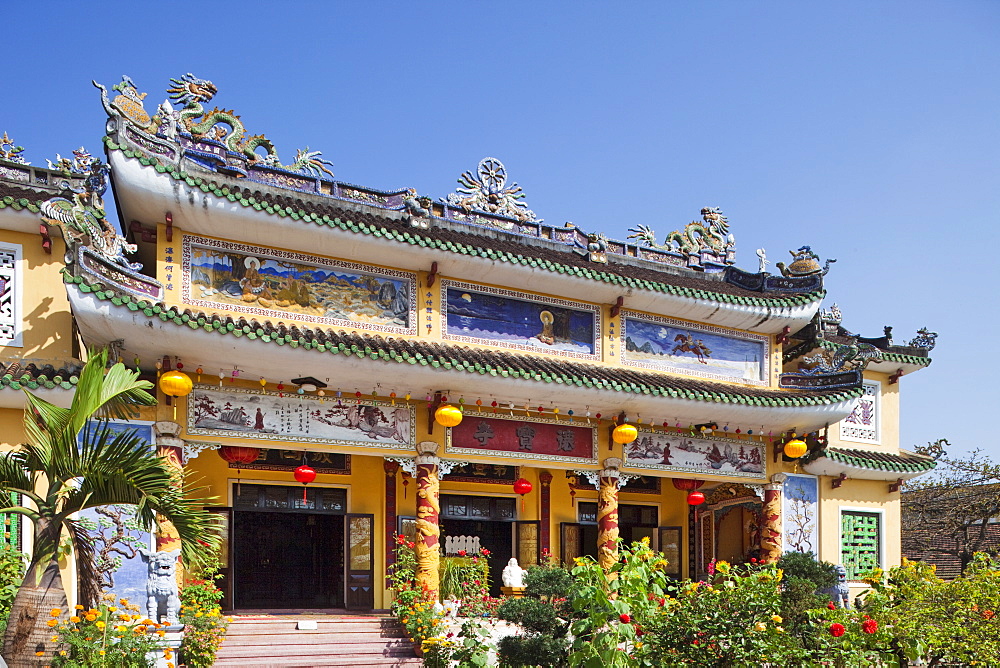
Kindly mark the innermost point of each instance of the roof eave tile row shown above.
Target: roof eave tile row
(879, 461)
(33, 377)
(466, 359)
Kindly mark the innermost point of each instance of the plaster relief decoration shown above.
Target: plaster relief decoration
(685, 454)
(664, 344)
(274, 416)
(487, 191)
(800, 497)
(523, 437)
(862, 424)
(495, 317)
(10, 295)
(281, 284)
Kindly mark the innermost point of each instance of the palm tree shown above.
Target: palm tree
(74, 461)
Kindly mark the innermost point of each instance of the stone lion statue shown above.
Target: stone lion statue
(161, 585)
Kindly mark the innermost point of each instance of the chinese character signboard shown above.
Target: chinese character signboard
(524, 438)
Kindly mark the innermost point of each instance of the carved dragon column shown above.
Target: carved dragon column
(428, 511)
(607, 514)
(169, 445)
(770, 535)
(544, 530)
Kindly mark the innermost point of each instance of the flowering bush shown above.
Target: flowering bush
(414, 603)
(467, 579)
(201, 614)
(108, 636)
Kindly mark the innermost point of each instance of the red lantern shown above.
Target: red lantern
(305, 474)
(686, 484)
(695, 498)
(235, 454)
(522, 487)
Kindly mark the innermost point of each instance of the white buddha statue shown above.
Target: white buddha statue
(513, 575)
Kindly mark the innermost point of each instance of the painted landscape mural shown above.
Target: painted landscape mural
(270, 416)
(677, 452)
(254, 280)
(482, 315)
(660, 343)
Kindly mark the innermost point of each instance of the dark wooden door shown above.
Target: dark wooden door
(359, 566)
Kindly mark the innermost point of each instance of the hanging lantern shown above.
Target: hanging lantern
(305, 474)
(522, 487)
(695, 498)
(795, 448)
(175, 384)
(624, 434)
(686, 484)
(448, 416)
(406, 482)
(235, 454)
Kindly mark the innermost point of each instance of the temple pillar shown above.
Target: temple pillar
(391, 468)
(428, 511)
(545, 513)
(770, 535)
(607, 514)
(170, 446)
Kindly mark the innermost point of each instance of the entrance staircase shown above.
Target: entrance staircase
(338, 640)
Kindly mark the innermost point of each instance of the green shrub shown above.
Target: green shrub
(11, 573)
(548, 583)
(536, 650)
(805, 566)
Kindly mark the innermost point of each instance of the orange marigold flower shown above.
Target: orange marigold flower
(74, 619)
(52, 622)
(55, 612)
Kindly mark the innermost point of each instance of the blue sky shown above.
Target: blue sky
(867, 130)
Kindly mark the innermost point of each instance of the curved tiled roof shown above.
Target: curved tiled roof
(879, 461)
(497, 246)
(485, 361)
(16, 376)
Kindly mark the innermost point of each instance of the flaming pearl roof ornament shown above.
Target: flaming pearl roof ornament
(487, 191)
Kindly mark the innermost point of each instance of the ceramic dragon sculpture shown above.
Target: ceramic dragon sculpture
(222, 125)
(82, 219)
(852, 354)
(710, 233)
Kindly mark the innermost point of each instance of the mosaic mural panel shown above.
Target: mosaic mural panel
(664, 451)
(495, 317)
(524, 438)
(118, 536)
(280, 284)
(800, 511)
(664, 344)
(860, 542)
(275, 416)
(863, 422)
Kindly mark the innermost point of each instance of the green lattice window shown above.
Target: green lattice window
(860, 542)
(10, 523)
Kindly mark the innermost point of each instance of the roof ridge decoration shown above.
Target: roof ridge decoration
(709, 235)
(804, 263)
(925, 339)
(83, 220)
(194, 120)
(11, 152)
(487, 191)
(81, 163)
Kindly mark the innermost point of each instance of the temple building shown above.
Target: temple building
(369, 362)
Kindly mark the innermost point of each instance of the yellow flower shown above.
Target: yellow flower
(112, 608)
(776, 619)
(55, 638)
(102, 652)
(761, 626)
(39, 653)
(123, 601)
(100, 625)
(74, 619)
(62, 652)
(55, 612)
(780, 630)
(52, 622)
(120, 629)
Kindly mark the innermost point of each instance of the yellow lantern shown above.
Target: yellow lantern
(795, 448)
(448, 416)
(624, 434)
(176, 384)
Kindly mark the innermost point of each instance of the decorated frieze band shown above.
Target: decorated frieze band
(524, 437)
(494, 474)
(508, 319)
(680, 453)
(276, 416)
(636, 484)
(118, 276)
(692, 349)
(327, 463)
(280, 284)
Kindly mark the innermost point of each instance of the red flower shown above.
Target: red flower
(485, 552)
(625, 618)
(662, 601)
(831, 605)
(837, 630)
(411, 545)
(869, 626)
(753, 560)
(462, 553)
